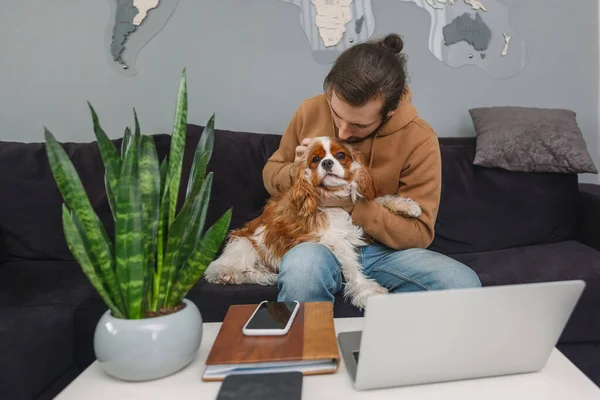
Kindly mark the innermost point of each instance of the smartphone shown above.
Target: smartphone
(271, 318)
(267, 386)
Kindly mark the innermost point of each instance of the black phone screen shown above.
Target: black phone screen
(272, 315)
(268, 386)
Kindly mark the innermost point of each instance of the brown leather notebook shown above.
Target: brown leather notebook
(309, 347)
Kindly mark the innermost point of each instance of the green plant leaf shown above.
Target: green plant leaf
(164, 167)
(129, 233)
(150, 188)
(182, 229)
(201, 158)
(125, 142)
(162, 267)
(177, 146)
(137, 123)
(75, 238)
(110, 158)
(204, 252)
(99, 250)
(169, 267)
(110, 196)
(198, 216)
(189, 226)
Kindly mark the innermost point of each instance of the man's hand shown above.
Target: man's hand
(300, 150)
(343, 202)
(299, 154)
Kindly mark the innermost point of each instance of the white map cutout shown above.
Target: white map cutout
(143, 7)
(332, 17)
(467, 32)
(132, 25)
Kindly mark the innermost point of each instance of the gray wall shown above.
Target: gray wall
(248, 61)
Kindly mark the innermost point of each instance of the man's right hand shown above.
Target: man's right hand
(301, 150)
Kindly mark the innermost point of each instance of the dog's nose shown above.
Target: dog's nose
(327, 164)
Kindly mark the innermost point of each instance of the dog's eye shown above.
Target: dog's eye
(316, 159)
(340, 156)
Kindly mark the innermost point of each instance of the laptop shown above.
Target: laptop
(439, 336)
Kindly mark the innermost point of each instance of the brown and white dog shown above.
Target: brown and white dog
(329, 167)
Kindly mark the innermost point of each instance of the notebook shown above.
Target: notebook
(309, 347)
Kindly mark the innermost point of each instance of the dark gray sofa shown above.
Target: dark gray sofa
(509, 227)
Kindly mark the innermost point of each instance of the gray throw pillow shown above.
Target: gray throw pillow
(530, 139)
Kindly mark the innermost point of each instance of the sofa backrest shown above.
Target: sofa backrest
(236, 163)
(31, 204)
(481, 208)
(484, 209)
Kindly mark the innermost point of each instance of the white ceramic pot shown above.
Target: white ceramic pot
(149, 348)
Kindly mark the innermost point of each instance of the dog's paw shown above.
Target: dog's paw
(228, 275)
(221, 274)
(211, 275)
(412, 208)
(400, 205)
(364, 291)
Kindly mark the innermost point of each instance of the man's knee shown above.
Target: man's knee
(306, 259)
(456, 275)
(308, 271)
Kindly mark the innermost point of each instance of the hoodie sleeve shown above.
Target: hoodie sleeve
(421, 181)
(277, 173)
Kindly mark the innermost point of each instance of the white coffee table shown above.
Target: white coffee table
(560, 379)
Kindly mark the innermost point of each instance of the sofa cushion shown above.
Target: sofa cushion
(37, 348)
(39, 283)
(588, 215)
(3, 250)
(585, 356)
(30, 218)
(547, 263)
(530, 139)
(485, 209)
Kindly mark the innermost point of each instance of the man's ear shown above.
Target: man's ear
(303, 195)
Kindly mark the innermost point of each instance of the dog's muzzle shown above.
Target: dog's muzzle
(327, 165)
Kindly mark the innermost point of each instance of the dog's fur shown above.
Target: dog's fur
(253, 253)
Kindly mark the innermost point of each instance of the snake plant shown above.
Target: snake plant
(159, 252)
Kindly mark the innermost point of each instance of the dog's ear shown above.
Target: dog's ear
(303, 195)
(363, 182)
(366, 186)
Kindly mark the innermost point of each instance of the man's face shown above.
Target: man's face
(355, 123)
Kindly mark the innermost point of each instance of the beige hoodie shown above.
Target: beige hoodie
(403, 158)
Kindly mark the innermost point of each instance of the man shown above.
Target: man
(367, 104)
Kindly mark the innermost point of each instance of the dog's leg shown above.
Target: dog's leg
(261, 277)
(358, 287)
(239, 264)
(400, 205)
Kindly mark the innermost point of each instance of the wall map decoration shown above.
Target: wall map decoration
(133, 24)
(459, 30)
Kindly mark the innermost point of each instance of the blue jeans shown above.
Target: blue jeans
(310, 271)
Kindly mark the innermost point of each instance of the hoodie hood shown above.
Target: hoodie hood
(405, 114)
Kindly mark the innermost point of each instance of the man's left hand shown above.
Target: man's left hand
(343, 202)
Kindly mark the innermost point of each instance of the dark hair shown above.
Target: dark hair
(368, 70)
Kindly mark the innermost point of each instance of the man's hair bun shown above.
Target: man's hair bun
(392, 42)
